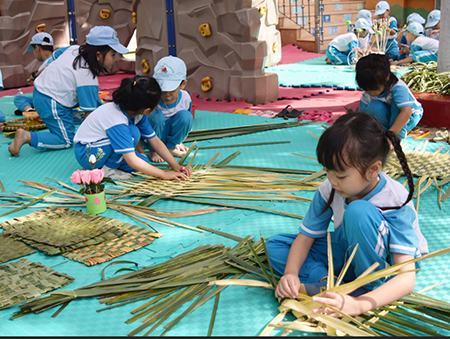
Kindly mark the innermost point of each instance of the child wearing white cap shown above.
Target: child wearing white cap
(172, 118)
(433, 25)
(422, 48)
(382, 12)
(365, 14)
(401, 38)
(41, 45)
(342, 50)
(69, 81)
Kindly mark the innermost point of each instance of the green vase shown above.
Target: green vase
(95, 203)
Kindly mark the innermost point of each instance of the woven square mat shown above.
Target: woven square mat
(24, 280)
(132, 239)
(12, 249)
(58, 230)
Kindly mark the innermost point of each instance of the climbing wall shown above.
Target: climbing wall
(21, 19)
(225, 44)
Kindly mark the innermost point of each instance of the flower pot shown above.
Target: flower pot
(95, 203)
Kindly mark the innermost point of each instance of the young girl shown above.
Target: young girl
(113, 130)
(69, 81)
(433, 25)
(383, 12)
(367, 207)
(385, 97)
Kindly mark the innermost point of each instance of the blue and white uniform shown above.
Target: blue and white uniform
(22, 101)
(392, 48)
(379, 233)
(57, 90)
(386, 107)
(424, 49)
(433, 35)
(340, 49)
(172, 123)
(109, 133)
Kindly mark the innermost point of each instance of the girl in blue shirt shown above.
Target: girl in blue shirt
(357, 204)
(113, 130)
(385, 97)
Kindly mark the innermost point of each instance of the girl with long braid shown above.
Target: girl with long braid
(358, 204)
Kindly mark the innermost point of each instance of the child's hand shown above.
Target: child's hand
(172, 175)
(288, 286)
(343, 302)
(186, 170)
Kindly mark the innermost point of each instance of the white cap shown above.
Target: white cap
(433, 18)
(415, 28)
(169, 72)
(364, 24)
(415, 17)
(365, 14)
(42, 39)
(381, 7)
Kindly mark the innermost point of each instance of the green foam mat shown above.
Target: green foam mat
(242, 310)
(317, 73)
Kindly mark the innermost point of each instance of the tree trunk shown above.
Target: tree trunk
(444, 43)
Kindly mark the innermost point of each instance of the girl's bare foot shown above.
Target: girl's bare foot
(328, 61)
(181, 148)
(178, 153)
(22, 137)
(155, 157)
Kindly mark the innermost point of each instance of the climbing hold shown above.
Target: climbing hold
(206, 84)
(274, 47)
(205, 30)
(134, 17)
(40, 28)
(262, 10)
(104, 13)
(145, 66)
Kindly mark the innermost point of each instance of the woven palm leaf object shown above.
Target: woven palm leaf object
(132, 239)
(58, 230)
(23, 280)
(12, 249)
(10, 127)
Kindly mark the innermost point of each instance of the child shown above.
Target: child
(433, 25)
(401, 38)
(367, 208)
(172, 118)
(382, 12)
(69, 81)
(112, 131)
(422, 48)
(364, 32)
(385, 97)
(41, 46)
(365, 14)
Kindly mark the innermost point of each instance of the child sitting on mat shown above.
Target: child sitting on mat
(358, 204)
(172, 118)
(113, 130)
(385, 97)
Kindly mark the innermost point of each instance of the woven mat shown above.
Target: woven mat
(133, 238)
(58, 230)
(11, 126)
(12, 249)
(23, 280)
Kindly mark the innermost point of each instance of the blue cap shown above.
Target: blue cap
(105, 36)
(41, 38)
(364, 24)
(415, 17)
(415, 28)
(433, 18)
(365, 14)
(381, 7)
(169, 72)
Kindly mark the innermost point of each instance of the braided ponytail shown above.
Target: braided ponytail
(403, 162)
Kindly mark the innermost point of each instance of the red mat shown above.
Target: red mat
(291, 54)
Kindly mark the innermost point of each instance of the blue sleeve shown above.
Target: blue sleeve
(353, 44)
(402, 97)
(145, 128)
(317, 218)
(57, 53)
(393, 23)
(88, 99)
(403, 40)
(121, 139)
(402, 237)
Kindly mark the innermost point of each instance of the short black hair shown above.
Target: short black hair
(374, 71)
(43, 47)
(137, 93)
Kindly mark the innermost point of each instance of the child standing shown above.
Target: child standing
(433, 25)
(382, 12)
(422, 48)
(172, 118)
(385, 97)
(113, 130)
(41, 46)
(367, 208)
(69, 81)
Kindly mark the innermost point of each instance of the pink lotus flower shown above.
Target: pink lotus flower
(97, 176)
(75, 177)
(85, 177)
